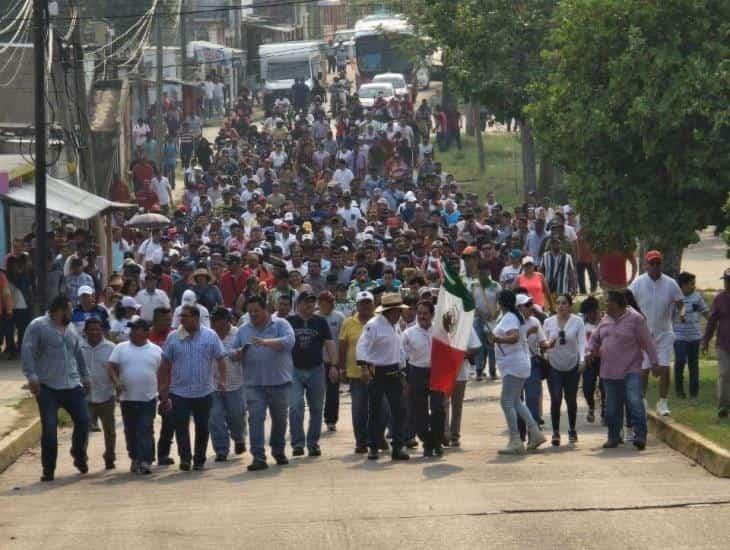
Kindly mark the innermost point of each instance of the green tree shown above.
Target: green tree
(636, 107)
(492, 51)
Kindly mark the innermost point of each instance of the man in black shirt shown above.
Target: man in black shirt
(311, 333)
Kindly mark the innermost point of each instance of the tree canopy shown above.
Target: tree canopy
(635, 104)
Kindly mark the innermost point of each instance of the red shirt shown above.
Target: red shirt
(612, 270)
(165, 283)
(158, 338)
(233, 286)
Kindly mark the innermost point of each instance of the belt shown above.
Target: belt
(391, 366)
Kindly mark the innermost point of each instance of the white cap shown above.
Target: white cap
(128, 301)
(307, 237)
(528, 260)
(364, 295)
(85, 289)
(189, 298)
(278, 222)
(258, 251)
(289, 217)
(523, 299)
(353, 204)
(410, 196)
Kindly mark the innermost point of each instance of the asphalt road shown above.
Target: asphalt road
(582, 497)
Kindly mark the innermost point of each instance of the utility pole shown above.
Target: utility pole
(160, 123)
(40, 21)
(184, 73)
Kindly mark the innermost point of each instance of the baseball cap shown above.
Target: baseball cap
(523, 299)
(305, 295)
(128, 301)
(364, 295)
(516, 254)
(470, 251)
(86, 289)
(528, 260)
(654, 255)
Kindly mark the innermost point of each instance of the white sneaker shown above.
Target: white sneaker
(536, 439)
(662, 408)
(515, 447)
(628, 435)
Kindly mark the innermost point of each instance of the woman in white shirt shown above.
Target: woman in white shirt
(566, 334)
(513, 362)
(535, 341)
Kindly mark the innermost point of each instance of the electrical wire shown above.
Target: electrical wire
(130, 29)
(20, 28)
(10, 10)
(22, 15)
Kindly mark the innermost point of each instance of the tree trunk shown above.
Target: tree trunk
(546, 182)
(470, 126)
(529, 175)
(479, 131)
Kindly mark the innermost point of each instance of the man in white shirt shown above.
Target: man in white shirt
(343, 176)
(151, 297)
(379, 354)
(657, 295)
(151, 249)
(133, 368)
(161, 186)
(351, 215)
(425, 406)
(285, 239)
(139, 132)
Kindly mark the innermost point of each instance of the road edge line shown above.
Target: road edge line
(18, 441)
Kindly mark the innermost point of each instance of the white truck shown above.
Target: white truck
(282, 62)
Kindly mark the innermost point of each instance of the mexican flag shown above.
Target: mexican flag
(452, 326)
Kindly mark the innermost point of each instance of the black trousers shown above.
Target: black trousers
(583, 268)
(387, 382)
(331, 400)
(199, 408)
(167, 431)
(426, 408)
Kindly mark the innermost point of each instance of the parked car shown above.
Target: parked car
(368, 93)
(396, 79)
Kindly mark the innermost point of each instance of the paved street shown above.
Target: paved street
(558, 498)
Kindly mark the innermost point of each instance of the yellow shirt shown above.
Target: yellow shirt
(349, 335)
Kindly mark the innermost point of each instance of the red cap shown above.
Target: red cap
(653, 255)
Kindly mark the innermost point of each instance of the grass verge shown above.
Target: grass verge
(699, 414)
(503, 174)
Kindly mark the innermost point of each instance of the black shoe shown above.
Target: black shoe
(480, 377)
(221, 458)
(373, 454)
(361, 450)
(47, 476)
(556, 440)
(427, 452)
(438, 450)
(198, 467)
(165, 461)
(298, 451)
(455, 442)
(281, 460)
(315, 451)
(412, 443)
(399, 454)
(331, 427)
(591, 417)
(109, 465)
(134, 467)
(144, 468)
(240, 448)
(611, 444)
(257, 465)
(640, 444)
(383, 446)
(445, 443)
(185, 466)
(82, 466)
(573, 437)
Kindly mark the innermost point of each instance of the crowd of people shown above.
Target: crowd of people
(305, 254)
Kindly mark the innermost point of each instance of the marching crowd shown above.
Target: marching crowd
(306, 255)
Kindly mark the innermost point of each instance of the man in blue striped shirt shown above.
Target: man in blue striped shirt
(188, 382)
(267, 345)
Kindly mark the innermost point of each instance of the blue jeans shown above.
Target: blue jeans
(138, 418)
(73, 402)
(309, 382)
(687, 353)
(276, 400)
(629, 391)
(199, 408)
(512, 405)
(532, 394)
(227, 422)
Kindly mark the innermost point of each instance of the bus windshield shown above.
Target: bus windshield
(379, 53)
(288, 70)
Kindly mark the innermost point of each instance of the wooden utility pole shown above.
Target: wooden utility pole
(160, 122)
(40, 31)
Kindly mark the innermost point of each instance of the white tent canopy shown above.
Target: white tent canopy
(64, 198)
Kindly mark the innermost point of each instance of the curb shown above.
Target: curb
(19, 441)
(709, 455)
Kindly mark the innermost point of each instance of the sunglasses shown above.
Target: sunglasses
(561, 337)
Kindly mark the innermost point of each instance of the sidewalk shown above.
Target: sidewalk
(11, 393)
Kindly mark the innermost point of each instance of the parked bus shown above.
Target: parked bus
(382, 46)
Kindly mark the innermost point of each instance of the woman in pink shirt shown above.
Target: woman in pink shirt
(621, 339)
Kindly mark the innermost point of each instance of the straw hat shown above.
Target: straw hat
(390, 300)
(201, 271)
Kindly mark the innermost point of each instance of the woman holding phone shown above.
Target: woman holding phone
(566, 336)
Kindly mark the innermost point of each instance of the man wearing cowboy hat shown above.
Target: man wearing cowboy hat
(378, 354)
(208, 295)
